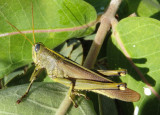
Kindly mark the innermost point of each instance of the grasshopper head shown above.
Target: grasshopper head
(36, 50)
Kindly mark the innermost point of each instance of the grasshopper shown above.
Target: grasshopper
(76, 77)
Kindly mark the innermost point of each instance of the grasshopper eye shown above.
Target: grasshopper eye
(37, 47)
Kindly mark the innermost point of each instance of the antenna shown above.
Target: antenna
(33, 25)
(20, 32)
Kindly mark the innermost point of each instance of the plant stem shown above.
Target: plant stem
(105, 24)
(64, 106)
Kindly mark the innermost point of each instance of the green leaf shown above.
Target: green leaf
(148, 8)
(145, 8)
(77, 52)
(50, 15)
(43, 99)
(140, 38)
(71, 49)
(11, 76)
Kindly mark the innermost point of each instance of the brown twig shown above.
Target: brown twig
(105, 24)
